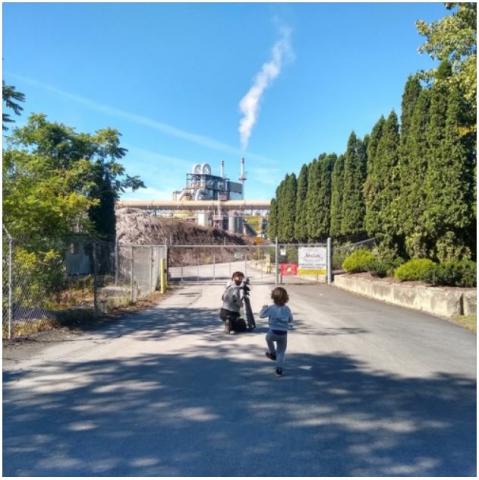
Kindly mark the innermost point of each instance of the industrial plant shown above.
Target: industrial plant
(212, 201)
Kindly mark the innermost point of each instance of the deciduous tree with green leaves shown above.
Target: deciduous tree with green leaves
(105, 178)
(57, 182)
(453, 38)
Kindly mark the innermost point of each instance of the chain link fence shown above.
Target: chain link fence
(343, 250)
(74, 280)
(264, 263)
(139, 268)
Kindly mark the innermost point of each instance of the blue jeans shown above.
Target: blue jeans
(281, 344)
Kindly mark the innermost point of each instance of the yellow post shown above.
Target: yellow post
(165, 273)
(162, 276)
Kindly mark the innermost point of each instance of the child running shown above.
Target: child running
(279, 318)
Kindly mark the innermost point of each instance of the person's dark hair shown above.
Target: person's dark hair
(280, 296)
(237, 274)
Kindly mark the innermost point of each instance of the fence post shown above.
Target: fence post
(159, 256)
(166, 266)
(162, 275)
(10, 287)
(151, 269)
(117, 261)
(276, 259)
(329, 256)
(132, 272)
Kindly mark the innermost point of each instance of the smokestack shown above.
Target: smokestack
(242, 177)
(222, 169)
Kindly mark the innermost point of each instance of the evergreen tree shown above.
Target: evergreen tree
(450, 179)
(413, 167)
(280, 208)
(435, 135)
(287, 208)
(412, 89)
(290, 208)
(300, 227)
(312, 198)
(273, 219)
(371, 185)
(11, 97)
(337, 197)
(387, 179)
(353, 208)
(326, 166)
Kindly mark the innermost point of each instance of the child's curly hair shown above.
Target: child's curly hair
(279, 296)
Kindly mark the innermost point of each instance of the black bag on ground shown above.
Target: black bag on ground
(238, 324)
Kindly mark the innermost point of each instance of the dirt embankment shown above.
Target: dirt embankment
(137, 227)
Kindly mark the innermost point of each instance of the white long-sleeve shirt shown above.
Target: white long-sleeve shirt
(232, 297)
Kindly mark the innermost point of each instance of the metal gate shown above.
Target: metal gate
(265, 263)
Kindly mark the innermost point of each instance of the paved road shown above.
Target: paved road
(370, 390)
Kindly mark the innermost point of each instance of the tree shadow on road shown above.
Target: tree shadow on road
(204, 415)
(168, 322)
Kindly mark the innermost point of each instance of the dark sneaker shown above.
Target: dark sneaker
(279, 371)
(227, 327)
(271, 356)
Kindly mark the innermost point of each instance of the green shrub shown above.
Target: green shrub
(378, 268)
(36, 275)
(338, 259)
(454, 273)
(359, 261)
(415, 269)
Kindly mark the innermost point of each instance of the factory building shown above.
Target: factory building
(201, 184)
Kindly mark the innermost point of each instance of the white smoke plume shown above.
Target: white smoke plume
(249, 104)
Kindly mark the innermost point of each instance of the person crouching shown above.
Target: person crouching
(231, 298)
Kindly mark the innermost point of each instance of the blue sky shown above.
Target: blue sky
(170, 78)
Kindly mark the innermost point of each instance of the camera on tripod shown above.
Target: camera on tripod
(245, 287)
(247, 304)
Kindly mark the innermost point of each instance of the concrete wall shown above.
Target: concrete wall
(113, 297)
(442, 301)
